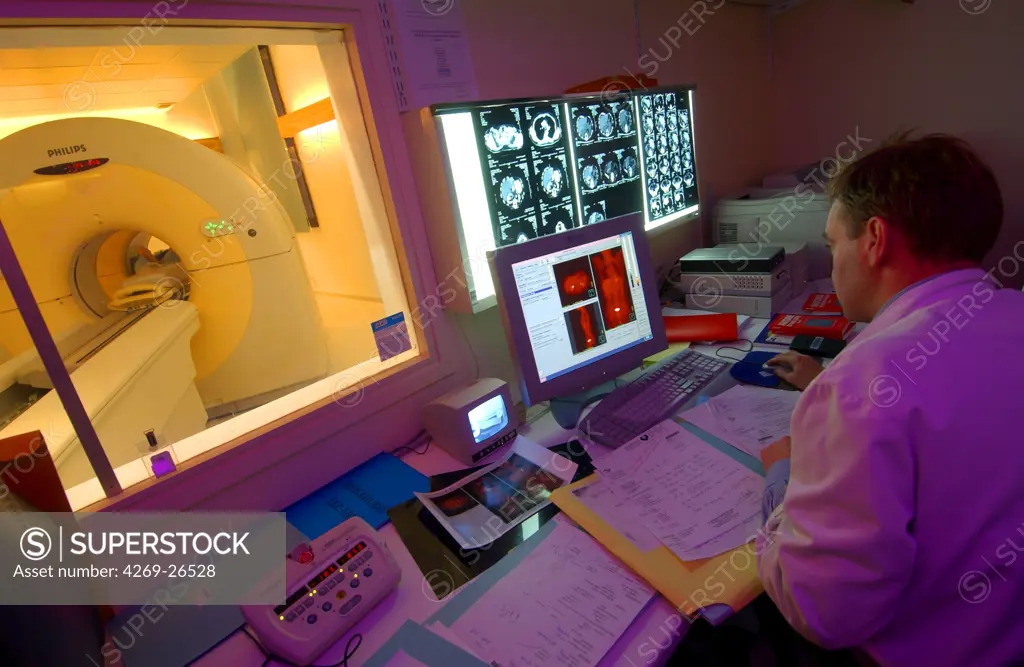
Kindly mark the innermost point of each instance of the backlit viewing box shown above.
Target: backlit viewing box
(524, 169)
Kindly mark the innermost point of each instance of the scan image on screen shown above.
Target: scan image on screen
(613, 289)
(607, 165)
(585, 329)
(513, 197)
(594, 213)
(524, 151)
(574, 280)
(670, 185)
(583, 303)
(557, 220)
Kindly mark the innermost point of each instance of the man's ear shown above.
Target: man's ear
(876, 241)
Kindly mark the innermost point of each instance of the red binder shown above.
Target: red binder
(689, 328)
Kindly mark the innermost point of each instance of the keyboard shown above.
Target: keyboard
(650, 399)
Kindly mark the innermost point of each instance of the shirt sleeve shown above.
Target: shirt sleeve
(837, 555)
(775, 481)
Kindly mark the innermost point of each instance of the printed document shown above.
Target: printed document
(691, 496)
(482, 507)
(564, 605)
(748, 418)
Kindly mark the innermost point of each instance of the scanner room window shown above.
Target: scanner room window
(201, 223)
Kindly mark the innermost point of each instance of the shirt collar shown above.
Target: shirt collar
(919, 283)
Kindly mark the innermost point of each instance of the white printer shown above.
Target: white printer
(789, 217)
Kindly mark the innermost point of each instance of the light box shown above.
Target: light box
(516, 170)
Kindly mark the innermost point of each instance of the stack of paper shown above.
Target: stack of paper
(748, 418)
(566, 603)
(692, 498)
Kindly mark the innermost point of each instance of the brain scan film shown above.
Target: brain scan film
(666, 185)
(663, 167)
(652, 187)
(499, 138)
(656, 207)
(677, 165)
(672, 123)
(684, 119)
(584, 125)
(605, 123)
(662, 144)
(625, 119)
(630, 166)
(552, 180)
(688, 178)
(659, 101)
(545, 130)
(594, 215)
(677, 182)
(611, 171)
(558, 220)
(666, 201)
(652, 169)
(590, 174)
(645, 104)
(659, 121)
(512, 190)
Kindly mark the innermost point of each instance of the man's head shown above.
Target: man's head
(904, 212)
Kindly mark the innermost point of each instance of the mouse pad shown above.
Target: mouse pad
(444, 563)
(750, 370)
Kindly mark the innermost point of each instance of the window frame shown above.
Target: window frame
(257, 469)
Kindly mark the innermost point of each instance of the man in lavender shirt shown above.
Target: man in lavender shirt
(895, 510)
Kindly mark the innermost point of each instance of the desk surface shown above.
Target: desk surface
(650, 640)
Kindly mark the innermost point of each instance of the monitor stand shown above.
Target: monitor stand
(567, 409)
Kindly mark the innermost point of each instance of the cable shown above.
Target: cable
(718, 352)
(270, 657)
(469, 347)
(411, 445)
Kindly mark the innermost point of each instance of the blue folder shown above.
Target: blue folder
(368, 491)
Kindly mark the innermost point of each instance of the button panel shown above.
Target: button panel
(347, 607)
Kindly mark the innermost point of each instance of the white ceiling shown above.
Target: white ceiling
(63, 81)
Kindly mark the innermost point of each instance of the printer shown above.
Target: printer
(746, 279)
(788, 217)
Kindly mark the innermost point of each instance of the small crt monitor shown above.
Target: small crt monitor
(580, 308)
(473, 422)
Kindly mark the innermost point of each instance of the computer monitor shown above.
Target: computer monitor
(579, 308)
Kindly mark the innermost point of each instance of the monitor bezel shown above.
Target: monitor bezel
(600, 371)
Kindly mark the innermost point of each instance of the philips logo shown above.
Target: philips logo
(66, 150)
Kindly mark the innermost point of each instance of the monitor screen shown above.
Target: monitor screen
(582, 304)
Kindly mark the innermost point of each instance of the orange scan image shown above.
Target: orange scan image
(613, 287)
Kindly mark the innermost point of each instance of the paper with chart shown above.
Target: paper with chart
(691, 496)
(748, 418)
(564, 605)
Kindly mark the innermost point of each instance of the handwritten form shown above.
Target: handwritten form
(748, 418)
(696, 500)
(565, 605)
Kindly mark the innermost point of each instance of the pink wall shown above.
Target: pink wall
(886, 65)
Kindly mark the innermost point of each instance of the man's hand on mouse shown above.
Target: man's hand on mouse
(795, 368)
